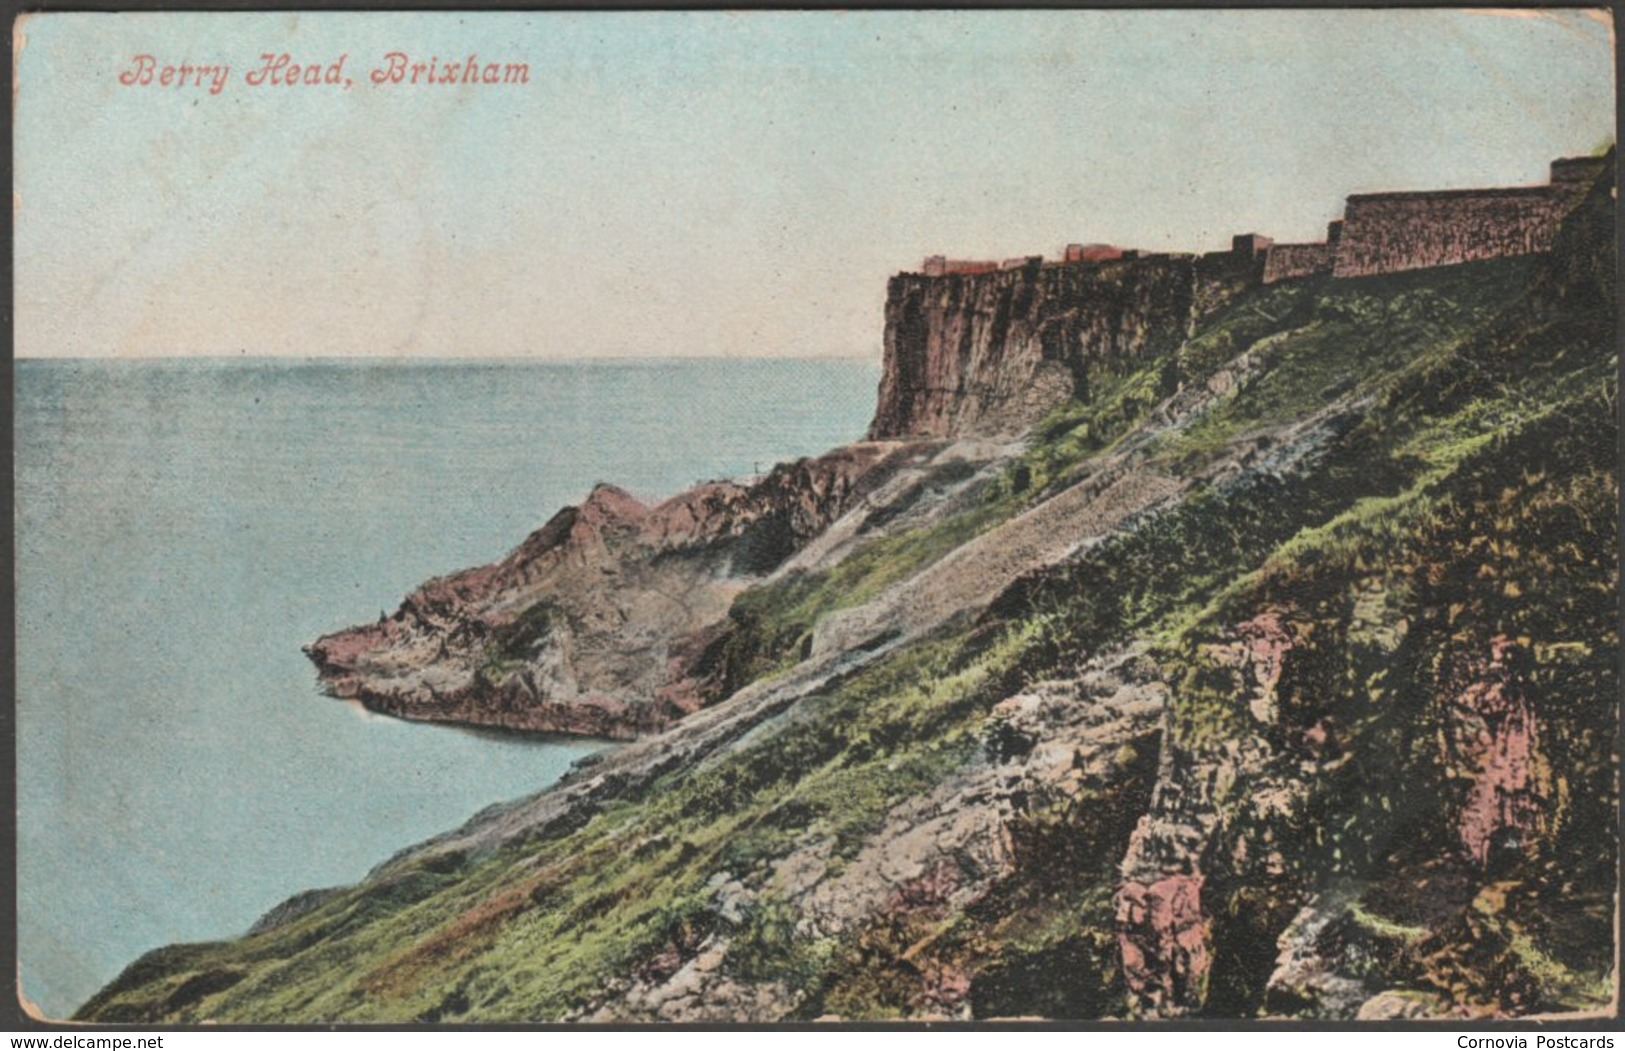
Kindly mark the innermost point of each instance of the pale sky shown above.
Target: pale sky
(691, 183)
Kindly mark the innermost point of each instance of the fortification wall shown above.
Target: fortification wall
(1578, 174)
(1384, 233)
(941, 266)
(1287, 261)
(1096, 253)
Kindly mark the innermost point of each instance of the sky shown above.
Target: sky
(713, 183)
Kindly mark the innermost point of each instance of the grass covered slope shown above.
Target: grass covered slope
(1323, 726)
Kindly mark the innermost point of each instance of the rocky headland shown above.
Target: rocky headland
(597, 623)
(1187, 640)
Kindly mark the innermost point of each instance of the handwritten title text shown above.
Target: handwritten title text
(397, 68)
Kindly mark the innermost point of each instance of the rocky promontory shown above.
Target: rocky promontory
(590, 625)
(1271, 671)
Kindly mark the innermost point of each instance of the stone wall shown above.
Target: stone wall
(1388, 232)
(941, 266)
(1286, 261)
(1578, 174)
(1096, 253)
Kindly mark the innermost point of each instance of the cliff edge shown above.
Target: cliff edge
(993, 353)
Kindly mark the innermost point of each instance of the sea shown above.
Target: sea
(183, 526)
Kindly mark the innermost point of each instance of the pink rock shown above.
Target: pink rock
(1494, 737)
(1163, 938)
(1258, 653)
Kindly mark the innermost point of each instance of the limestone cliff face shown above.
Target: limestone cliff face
(978, 354)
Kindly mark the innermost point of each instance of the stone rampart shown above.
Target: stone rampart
(1388, 232)
(1284, 262)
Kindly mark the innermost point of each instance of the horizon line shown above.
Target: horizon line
(425, 359)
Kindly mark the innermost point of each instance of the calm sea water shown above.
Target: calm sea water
(183, 527)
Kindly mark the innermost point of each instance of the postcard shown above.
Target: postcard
(766, 517)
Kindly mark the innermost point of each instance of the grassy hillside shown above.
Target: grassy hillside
(1379, 626)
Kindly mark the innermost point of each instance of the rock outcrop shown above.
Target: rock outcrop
(1058, 746)
(1493, 741)
(590, 625)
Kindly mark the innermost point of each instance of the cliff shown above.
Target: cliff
(1275, 677)
(969, 354)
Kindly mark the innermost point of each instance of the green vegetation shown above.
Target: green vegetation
(773, 623)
